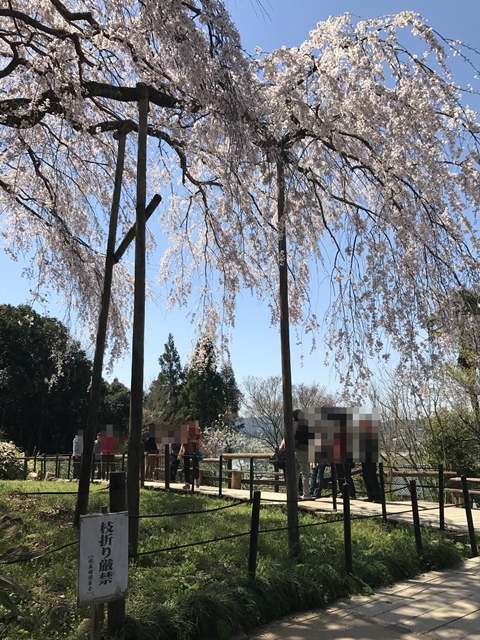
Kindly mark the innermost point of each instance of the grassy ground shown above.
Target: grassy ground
(201, 591)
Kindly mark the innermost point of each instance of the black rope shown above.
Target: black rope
(41, 555)
(53, 493)
(187, 513)
(190, 544)
(302, 526)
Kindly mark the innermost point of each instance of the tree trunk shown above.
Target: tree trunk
(96, 386)
(138, 341)
(290, 465)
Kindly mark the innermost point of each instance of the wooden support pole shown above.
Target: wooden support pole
(118, 502)
(138, 338)
(87, 464)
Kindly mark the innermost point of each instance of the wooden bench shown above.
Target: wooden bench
(457, 495)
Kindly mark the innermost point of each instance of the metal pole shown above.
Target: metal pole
(382, 491)
(229, 469)
(252, 556)
(347, 528)
(468, 513)
(276, 470)
(441, 497)
(192, 473)
(220, 477)
(416, 517)
(168, 467)
(334, 486)
(251, 479)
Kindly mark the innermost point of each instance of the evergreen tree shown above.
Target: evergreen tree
(162, 398)
(232, 395)
(44, 380)
(115, 405)
(202, 395)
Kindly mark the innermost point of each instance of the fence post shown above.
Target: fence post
(441, 497)
(416, 517)
(35, 461)
(252, 556)
(44, 465)
(382, 491)
(276, 470)
(142, 466)
(25, 466)
(251, 479)
(468, 513)
(220, 476)
(57, 467)
(229, 469)
(118, 502)
(347, 528)
(123, 461)
(334, 486)
(168, 466)
(193, 473)
(69, 465)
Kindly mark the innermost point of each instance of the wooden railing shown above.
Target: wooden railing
(211, 469)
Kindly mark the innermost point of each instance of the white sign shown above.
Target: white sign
(103, 558)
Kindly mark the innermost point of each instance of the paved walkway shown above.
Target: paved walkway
(440, 605)
(455, 519)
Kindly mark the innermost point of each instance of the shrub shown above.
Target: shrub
(11, 465)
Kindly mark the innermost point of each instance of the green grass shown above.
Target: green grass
(202, 591)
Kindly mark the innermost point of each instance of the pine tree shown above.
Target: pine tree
(202, 394)
(162, 397)
(232, 395)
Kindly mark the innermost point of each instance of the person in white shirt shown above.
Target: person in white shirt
(77, 451)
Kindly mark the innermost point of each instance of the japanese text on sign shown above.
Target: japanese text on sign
(103, 558)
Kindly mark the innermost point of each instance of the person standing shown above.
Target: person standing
(149, 449)
(188, 452)
(301, 452)
(372, 485)
(77, 451)
(344, 476)
(317, 474)
(174, 461)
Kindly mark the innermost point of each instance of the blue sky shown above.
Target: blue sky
(255, 348)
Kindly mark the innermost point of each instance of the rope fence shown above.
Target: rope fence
(346, 518)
